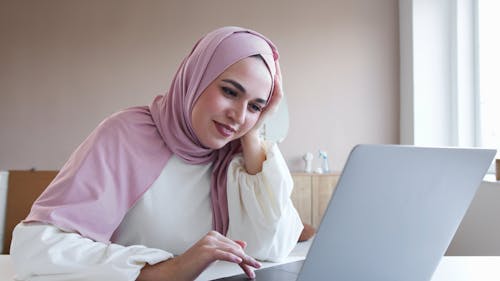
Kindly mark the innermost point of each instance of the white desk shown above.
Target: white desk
(451, 268)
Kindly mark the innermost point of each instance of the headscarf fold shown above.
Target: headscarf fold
(124, 155)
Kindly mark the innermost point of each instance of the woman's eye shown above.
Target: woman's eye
(255, 108)
(229, 91)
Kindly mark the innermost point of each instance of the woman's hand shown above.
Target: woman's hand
(253, 153)
(212, 247)
(273, 104)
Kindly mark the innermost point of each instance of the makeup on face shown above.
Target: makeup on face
(231, 105)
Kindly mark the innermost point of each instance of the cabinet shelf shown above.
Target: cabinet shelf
(311, 194)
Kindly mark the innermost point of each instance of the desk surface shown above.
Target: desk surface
(451, 268)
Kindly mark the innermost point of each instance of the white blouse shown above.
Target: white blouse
(170, 217)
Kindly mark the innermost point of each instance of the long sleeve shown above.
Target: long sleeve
(260, 208)
(44, 252)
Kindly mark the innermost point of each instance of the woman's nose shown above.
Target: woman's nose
(237, 114)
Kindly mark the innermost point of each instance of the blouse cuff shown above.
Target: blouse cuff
(42, 249)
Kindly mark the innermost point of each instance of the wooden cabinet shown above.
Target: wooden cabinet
(311, 194)
(302, 196)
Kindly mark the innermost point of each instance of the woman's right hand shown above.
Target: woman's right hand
(212, 247)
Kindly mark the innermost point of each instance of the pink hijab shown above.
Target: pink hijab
(125, 154)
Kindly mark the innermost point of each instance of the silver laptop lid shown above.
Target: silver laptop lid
(394, 212)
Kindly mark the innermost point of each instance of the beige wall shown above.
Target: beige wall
(66, 65)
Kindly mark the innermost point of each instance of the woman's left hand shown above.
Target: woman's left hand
(253, 152)
(273, 104)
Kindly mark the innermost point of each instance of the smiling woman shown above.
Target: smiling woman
(183, 182)
(231, 105)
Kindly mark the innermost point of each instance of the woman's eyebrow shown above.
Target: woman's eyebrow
(242, 89)
(235, 84)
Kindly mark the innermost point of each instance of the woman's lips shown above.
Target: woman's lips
(224, 130)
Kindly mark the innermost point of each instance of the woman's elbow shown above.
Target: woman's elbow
(280, 243)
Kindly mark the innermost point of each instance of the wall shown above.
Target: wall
(66, 65)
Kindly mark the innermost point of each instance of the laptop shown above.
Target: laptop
(392, 215)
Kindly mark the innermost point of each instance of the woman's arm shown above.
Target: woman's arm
(39, 250)
(260, 209)
(44, 250)
(253, 151)
(259, 187)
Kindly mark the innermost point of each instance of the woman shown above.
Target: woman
(161, 192)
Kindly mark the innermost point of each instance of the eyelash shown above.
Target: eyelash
(256, 108)
(229, 92)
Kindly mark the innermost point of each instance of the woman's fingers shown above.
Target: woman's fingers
(215, 246)
(273, 104)
(276, 96)
(233, 248)
(237, 252)
(242, 244)
(246, 264)
(223, 255)
(248, 270)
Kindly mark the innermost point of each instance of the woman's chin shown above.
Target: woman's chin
(215, 144)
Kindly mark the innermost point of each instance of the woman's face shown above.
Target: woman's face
(231, 105)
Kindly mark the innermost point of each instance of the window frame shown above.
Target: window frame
(440, 80)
